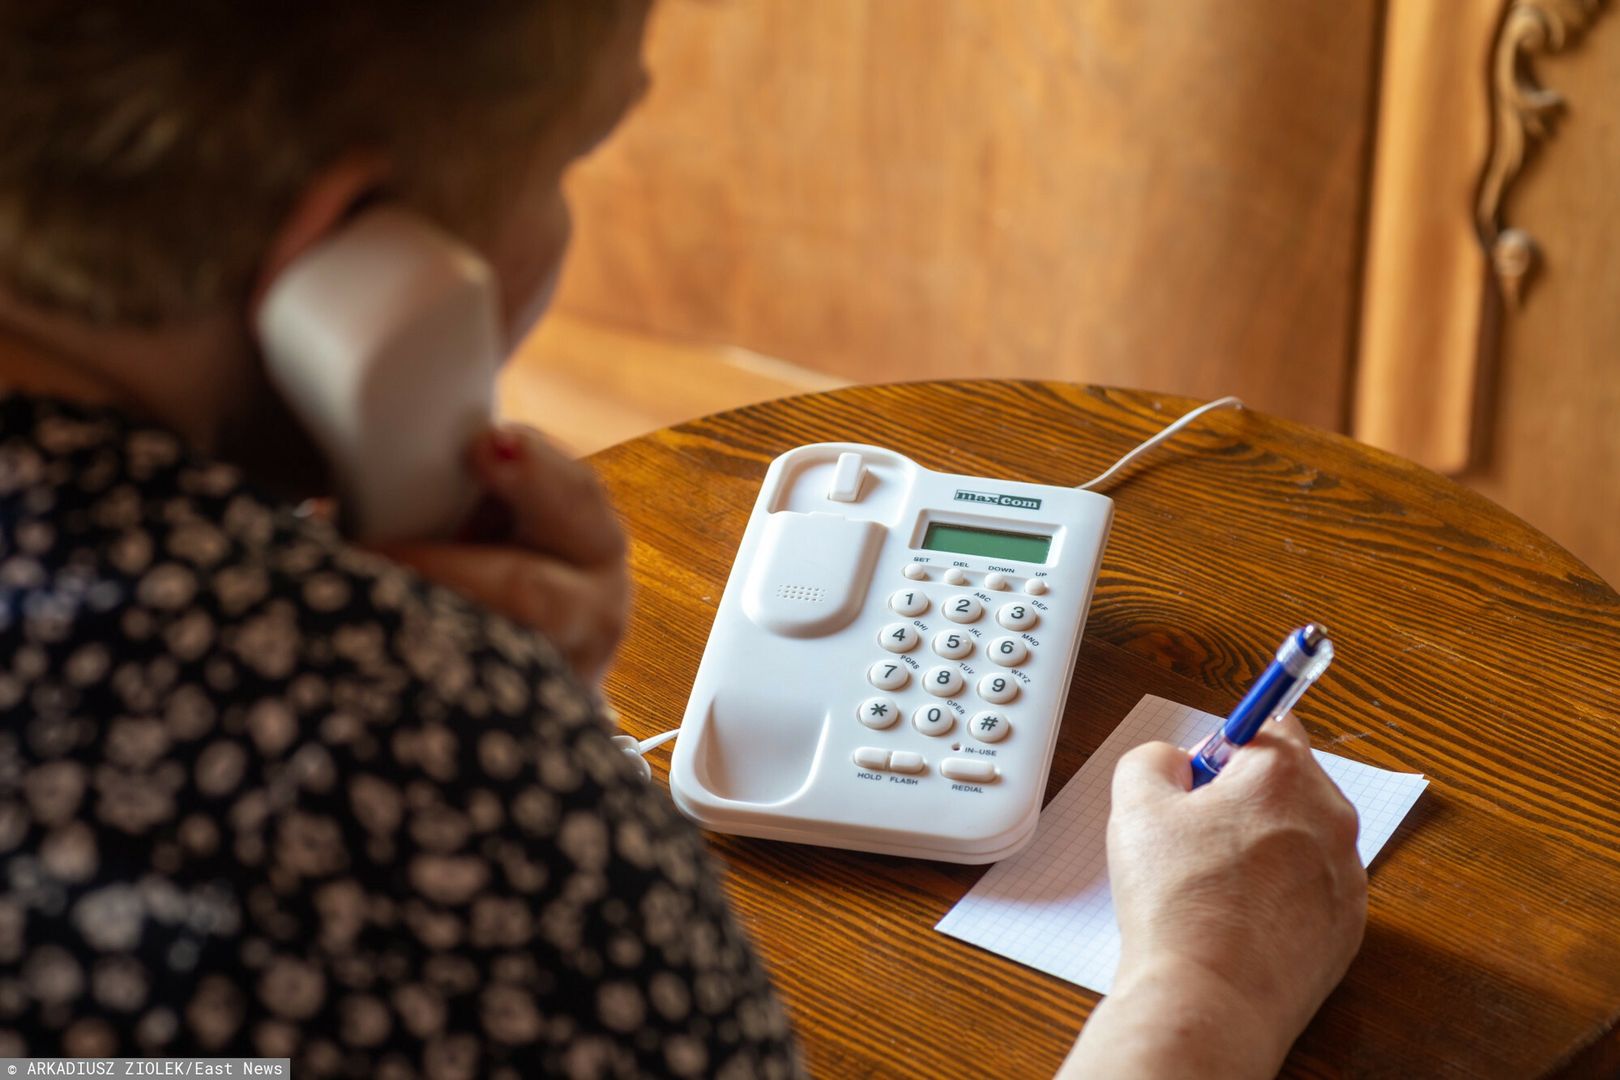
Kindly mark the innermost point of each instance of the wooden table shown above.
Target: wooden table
(1471, 648)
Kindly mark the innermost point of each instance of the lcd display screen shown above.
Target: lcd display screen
(990, 543)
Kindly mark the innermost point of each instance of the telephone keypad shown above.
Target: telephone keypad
(938, 718)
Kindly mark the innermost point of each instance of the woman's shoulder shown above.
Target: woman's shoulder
(133, 561)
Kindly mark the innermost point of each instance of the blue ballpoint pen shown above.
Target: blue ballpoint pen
(1300, 661)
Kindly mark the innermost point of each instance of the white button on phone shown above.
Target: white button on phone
(905, 761)
(916, 571)
(968, 769)
(847, 477)
(888, 675)
(933, 720)
(1007, 651)
(871, 757)
(962, 609)
(954, 576)
(998, 688)
(953, 644)
(909, 602)
(943, 682)
(878, 712)
(899, 637)
(988, 726)
(995, 581)
(1036, 586)
(1016, 616)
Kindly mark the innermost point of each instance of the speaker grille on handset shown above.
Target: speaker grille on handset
(810, 594)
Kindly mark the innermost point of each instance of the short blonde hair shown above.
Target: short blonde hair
(148, 151)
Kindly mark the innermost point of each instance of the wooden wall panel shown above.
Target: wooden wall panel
(1161, 194)
(1553, 453)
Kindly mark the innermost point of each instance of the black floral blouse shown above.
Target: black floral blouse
(262, 793)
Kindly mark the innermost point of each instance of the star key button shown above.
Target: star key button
(878, 712)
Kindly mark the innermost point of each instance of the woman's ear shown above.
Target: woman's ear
(327, 201)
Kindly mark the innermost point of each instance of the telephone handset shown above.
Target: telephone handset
(385, 341)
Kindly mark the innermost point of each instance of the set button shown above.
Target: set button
(875, 757)
(964, 609)
(1015, 616)
(899, 637)
(915, 571)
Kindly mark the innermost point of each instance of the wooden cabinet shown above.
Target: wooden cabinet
(1278, 199)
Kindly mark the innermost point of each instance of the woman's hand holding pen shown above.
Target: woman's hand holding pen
(1240, 906)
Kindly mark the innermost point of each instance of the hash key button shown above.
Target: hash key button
(988, 726)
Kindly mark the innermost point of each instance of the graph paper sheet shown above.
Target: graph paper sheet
(1049, 905)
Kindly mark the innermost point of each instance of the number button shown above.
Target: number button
(964, 609)
(1016, 617)
(943, 682)
(1007, 651)
(898, 637)
(952, 644)
(988, 726)
(908, 602)
(888, 675)
(997, 689)
(878, 712)
(933, 720)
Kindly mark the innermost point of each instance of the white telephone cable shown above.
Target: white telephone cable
(1167, 433)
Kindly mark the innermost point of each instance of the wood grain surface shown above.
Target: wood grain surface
(1471, 649)
(1159, 194)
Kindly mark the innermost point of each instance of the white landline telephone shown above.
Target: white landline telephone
(385, 341)
(890, 658)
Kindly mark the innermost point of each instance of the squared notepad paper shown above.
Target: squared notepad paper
(1049, 906)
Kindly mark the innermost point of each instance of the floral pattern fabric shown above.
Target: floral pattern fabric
(262, 793)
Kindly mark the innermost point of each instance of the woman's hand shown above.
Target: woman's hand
(1240, 906)
(545, 549)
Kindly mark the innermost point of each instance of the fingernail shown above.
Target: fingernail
(506, 445)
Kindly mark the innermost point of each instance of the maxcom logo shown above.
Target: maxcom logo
(1017, 502)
